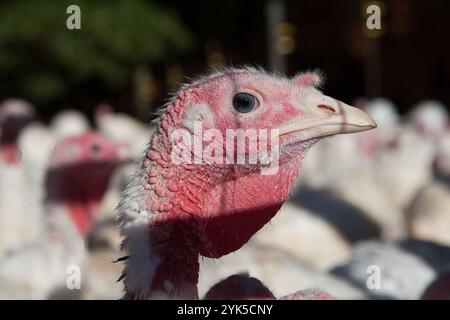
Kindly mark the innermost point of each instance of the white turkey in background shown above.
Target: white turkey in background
(279, 270)
(16, 219)
(405, 166)
(400, 270)
(443, 154)
(430, 117)
(429, 214)
(306, 236)
(133, 135)
(346, 166)
(122, 128)
(37, 143)
(77, 178)
(388, 120)
(69, 123)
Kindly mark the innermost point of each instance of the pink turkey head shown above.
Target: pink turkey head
(239, 198)
(206, 205)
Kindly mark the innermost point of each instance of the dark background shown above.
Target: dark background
(406, 61)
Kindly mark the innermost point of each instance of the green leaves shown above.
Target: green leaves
(115, 37)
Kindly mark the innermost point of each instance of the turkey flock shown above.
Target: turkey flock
(378, 198)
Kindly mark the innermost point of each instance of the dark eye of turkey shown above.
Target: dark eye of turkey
(95, 148)
(244, 102)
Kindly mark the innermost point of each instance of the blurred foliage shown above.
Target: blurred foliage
(45, 62)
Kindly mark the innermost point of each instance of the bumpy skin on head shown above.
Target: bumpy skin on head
(172, 213)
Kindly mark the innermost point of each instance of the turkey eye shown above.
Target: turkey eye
(244, 102)
(95, 148)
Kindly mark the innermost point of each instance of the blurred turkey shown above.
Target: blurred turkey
(429, 214)
(17, 221)
(243, 287)
(122, 128)
(430, 117)
(386, 271)
(340, 156)
(439, 289)
(347, 169)
(277, 269)
(77, 178)
(405, 166)
(386, 113)
(239, 287)
(309, 237)
(442, 163)
(69, 123)
(37, 143)
(133, 136)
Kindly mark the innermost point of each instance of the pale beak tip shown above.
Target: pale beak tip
(360, 118)
(372, 124)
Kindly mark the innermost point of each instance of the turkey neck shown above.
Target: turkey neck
(9, 149)
(200, 210)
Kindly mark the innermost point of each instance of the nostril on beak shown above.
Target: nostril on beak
(326, 108)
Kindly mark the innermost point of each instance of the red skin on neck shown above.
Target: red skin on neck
(209, 217)
(9, 151)
(83, 215)
(230, 217)
(10, 154)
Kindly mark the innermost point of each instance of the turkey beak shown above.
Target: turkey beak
(325, 116)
